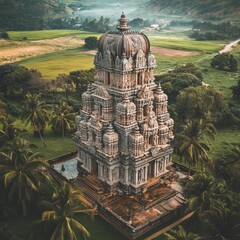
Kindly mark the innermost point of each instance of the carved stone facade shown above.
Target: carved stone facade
(124, 128)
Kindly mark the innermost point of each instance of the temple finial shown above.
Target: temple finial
(123, 21)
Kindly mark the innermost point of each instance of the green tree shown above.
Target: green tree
(22, 177)
(228, 166)
(91, 42)
(181, 234)
(14, 79)
(4, 35)
(63, 118)
(205, 193)
(81, 79)
(60, 219)
(192, 142)
(9, 128)
(19, 148)
(35, 113)
(181, 77)
(225, 62)
(236, 91)
(221, 223)
(200, 102)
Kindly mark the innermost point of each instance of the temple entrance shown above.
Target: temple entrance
(151, 170)
(94, 166)
(93, 136)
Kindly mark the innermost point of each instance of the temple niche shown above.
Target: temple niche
(124, 128)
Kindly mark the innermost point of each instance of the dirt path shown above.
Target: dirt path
(229, 46)
(14, 51)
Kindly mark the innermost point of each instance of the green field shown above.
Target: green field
(221, 143)
(61, 62)
(185, 43)
(56, 145)
(47, 34)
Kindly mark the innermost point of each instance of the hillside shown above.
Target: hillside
(204, 9)
(29, 14)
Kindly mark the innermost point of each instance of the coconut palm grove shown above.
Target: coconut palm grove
(119, 125)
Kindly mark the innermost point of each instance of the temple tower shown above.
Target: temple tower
(124, 128)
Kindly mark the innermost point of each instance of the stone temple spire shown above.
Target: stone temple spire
(123, 21)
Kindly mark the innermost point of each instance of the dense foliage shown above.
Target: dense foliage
(208, 9)
(29, 15)
(101, 25)
(225, 62)
(91, 42)
(181, 77)
(236, 91)
(210, 31)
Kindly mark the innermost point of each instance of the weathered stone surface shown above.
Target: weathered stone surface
(124, 129)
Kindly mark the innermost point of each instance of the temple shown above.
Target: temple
(124, 128)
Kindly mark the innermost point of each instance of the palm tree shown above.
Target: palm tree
(205, 193)
(228, 167)
(22, 176)
(222, 223)
(59, 221)
(192, 141)
(63, 118)
(181, 234)
(35, 113)
(19, 148)
(8, 126)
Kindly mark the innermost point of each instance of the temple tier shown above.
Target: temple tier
(124, 129)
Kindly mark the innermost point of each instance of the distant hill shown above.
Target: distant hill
(199, 9)
(30, 14)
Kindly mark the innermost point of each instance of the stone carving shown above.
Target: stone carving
(102, 92)
(98, 59)
(151, 60)
(145, 93)
(124, 124)
(107, 59)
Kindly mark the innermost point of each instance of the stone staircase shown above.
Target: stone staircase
(91, 188)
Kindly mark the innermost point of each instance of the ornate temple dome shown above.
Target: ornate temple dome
(136, 136)
(86, 96)
(162, 127)
(110, 136)
(159, 95)
(124, 41)
(126, 106)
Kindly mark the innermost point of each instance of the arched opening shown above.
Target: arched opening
(93, 136)
(108, 78)
(145, 110)
(100, 110)
(139, 79)
(151, 140)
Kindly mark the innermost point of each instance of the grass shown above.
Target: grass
(47, 34)
(184, 43)
(166, 62)
(98, 228)
(61, 62)
(56, 145)
(223, 137)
